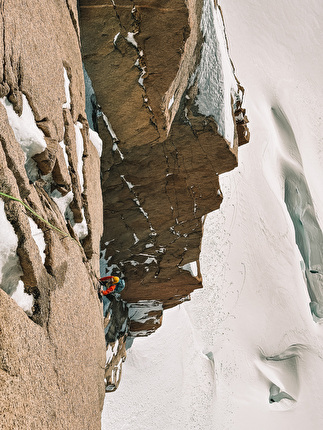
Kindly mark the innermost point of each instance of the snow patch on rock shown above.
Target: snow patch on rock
(67, 104)
(10, 269)
(215, 75)
(96, 140)
(26, 132)
(79, 151)
(38, 236)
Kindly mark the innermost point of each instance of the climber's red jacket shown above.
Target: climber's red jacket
(110, 289)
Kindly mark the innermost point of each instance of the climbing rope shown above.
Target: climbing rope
(41, 218)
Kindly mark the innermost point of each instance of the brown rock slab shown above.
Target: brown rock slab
(52, 362)
(161, 163)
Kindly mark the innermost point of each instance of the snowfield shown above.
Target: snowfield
(247, 352)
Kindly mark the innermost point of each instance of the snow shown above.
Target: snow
(24, 300)
(109, 127)
(139, 311)
(131, 39)
(67, 104)
(141, 78)
(62, 201)
(63, 146)
(96, 140)
(81, 228)
(10, 269)
(116, 38)
(246, 352)
(216, 81)
(150, 260)
(38, 236)
(191, 267)
(170, 104)
(115, 147)
(79, 151)
(111, 352)
(26, 132)
(10, 272)
(129, 184)
(107, 269)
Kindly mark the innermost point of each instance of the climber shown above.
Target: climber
(112, 284)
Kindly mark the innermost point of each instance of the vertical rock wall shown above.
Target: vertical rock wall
(161, 158)
(52, 361)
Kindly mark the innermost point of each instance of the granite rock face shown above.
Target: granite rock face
(52, 361)
(162, 157)
(161, 160)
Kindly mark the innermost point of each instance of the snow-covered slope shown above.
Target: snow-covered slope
(246, 352)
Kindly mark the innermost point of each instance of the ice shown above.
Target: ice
(91, 106)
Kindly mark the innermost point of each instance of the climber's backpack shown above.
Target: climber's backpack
(120, 286)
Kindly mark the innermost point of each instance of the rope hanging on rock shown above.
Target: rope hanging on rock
(38, 216)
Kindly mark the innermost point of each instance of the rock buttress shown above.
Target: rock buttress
(52, 361)
(161, 158)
